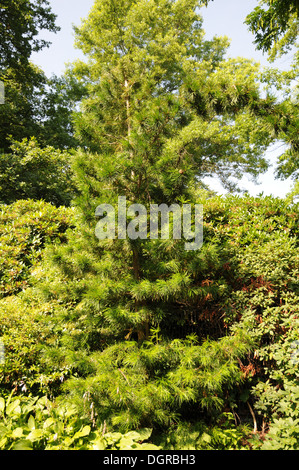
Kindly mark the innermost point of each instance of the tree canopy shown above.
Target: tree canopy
(35, 105)
(152, 75)
(20, 24)
(275, 24)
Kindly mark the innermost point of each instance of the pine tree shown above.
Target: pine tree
(164, 110)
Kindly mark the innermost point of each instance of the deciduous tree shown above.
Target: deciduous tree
(275, 24)
(20, 24)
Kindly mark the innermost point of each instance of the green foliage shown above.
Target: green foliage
(276, 30)
(245, 275)
(58, 101)
(25, 227)
(164, 102)
(285, 123)
(200, 436)
(266, 306)
(26, 328)
(32, 172)
(142, 334)
(275, 26)
(35, 423)
(21, 113)
(20, 23)
(157, 382)
(281, 402)
(264, 301)
(132, 440)
(283, 434)
(39, 107)
(293, 195)
(34, 106)
(151, 385)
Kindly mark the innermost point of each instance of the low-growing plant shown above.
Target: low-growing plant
(200, 436)
(25, 228)
(33, 423)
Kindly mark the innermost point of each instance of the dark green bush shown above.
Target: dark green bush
(25, 228)
(32, 172)
(245, 278)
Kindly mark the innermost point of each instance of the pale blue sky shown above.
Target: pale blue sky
(222, 17)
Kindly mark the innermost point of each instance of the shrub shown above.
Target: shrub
(264, 301)
(155, 384)
(32, 172)
(25, 228)
(245, 278)
(26, 328)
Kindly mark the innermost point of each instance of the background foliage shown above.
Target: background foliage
(32, 172)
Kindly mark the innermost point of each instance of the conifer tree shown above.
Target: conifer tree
(164, 109)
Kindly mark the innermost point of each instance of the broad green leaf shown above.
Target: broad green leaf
(43, 401)
(144, 434)
(71, 411)
(148, 446)
(3, 443)
(13, 408)
(3, 430)
(125, 443)
(24, 444)
(18, 432)
(35, 434)
(68, 442)
(2, 405)
(133, 435)
(99, 445)
(112, 438)
(31, 423)
(48, 423)
(206, 437)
